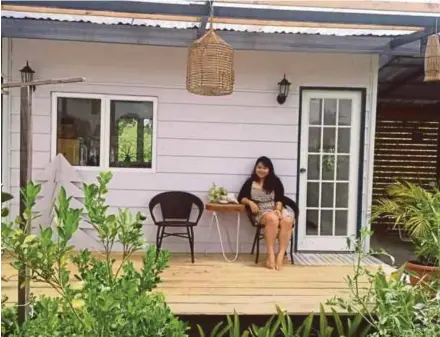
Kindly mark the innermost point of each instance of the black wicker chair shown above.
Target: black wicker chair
(259, 234)
(176, 210)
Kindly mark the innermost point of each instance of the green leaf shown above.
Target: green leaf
(28, 239)
(6, 197)
(201, 332)
(323, 322)
(338, 323)
(353, 326)
(306, 327)
(46, 234)
(5, 212)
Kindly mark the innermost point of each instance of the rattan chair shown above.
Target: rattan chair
(259, 233)
(176, 210)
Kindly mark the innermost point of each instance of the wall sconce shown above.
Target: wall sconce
(27, 75)
(283, 88)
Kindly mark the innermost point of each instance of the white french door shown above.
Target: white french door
(329, 168)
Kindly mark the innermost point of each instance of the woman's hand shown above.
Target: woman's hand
(253, 206)
(278, 210)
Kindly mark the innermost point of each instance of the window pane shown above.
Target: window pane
(327, 194)
(343, 167)
(345, 112)
(342, 195)
(312, 194)
(326, 223)
(79, 130)
(315, 111)
(341, 223)
(313, 167)
(314, 139)
(328, 167)
(328, 145)
(312, 222)
(329, 111)
(131, 134)
(344, 140)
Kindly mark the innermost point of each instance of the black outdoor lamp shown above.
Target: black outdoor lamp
(283, 87)
(27, 74)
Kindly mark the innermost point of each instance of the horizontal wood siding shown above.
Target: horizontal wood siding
(200, 140)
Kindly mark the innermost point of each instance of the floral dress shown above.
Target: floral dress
(266, 203)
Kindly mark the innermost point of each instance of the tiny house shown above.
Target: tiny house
(134, 117)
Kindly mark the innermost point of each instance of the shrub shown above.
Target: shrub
(107, 297)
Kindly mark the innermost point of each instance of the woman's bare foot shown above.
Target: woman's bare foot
(279, 261)
(270, 262)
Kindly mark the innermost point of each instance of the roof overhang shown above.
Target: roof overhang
(156, 36)
(246, 10)
(237, 19)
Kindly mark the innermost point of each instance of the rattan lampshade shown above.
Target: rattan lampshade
(210, 66)
(432, 59)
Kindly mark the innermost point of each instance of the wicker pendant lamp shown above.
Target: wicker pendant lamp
(210, 65)
(432, 58)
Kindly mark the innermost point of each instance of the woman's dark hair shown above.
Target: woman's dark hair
(271, 180)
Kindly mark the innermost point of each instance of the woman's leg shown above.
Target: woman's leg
(286, 225)
(270, 222)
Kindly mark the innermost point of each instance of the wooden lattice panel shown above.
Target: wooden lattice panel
(406, 150)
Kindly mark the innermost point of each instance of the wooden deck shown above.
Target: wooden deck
(212, 286)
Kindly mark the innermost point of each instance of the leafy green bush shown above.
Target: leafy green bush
(106, 297)
(9, 320)
(417, 211)
(391, 306)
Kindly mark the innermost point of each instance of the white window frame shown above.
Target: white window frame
(104, 153)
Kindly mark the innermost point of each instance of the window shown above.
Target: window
(105, 131)
(79, 130)
(131, 133)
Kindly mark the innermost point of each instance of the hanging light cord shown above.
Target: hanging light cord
(211, 14)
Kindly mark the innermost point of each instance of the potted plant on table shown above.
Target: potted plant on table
(218, 195)
(417, 211)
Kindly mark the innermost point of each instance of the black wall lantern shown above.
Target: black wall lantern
(27, 74)
(283, 88)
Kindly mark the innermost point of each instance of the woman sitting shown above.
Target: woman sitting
(263, 193)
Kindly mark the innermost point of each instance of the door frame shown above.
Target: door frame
(363, 92)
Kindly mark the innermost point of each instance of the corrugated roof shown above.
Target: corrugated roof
(106, 20)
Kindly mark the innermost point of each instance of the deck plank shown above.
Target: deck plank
(212, 286)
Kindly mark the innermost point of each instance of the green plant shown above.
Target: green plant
(282, 325)
(417, 211)
(217, 194)
(9, 319)
(390, 306)
(106, 297)
(6, 196)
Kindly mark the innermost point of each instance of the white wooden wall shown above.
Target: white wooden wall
(201, 140)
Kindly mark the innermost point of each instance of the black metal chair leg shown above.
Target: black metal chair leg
(190, 232)
(255, 242)
(159, 238)
(291, 250)
(258, 244)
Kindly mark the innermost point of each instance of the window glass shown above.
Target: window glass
(79, 130)
(131, 133)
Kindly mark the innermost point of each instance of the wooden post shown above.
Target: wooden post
(25, 177)
(26, 89)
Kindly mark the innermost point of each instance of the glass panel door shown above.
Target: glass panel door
(329, 165)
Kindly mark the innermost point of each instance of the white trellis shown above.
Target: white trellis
(59, 173)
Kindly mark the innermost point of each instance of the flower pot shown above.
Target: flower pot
(420, 272)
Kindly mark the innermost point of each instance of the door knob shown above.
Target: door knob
(302, 170)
